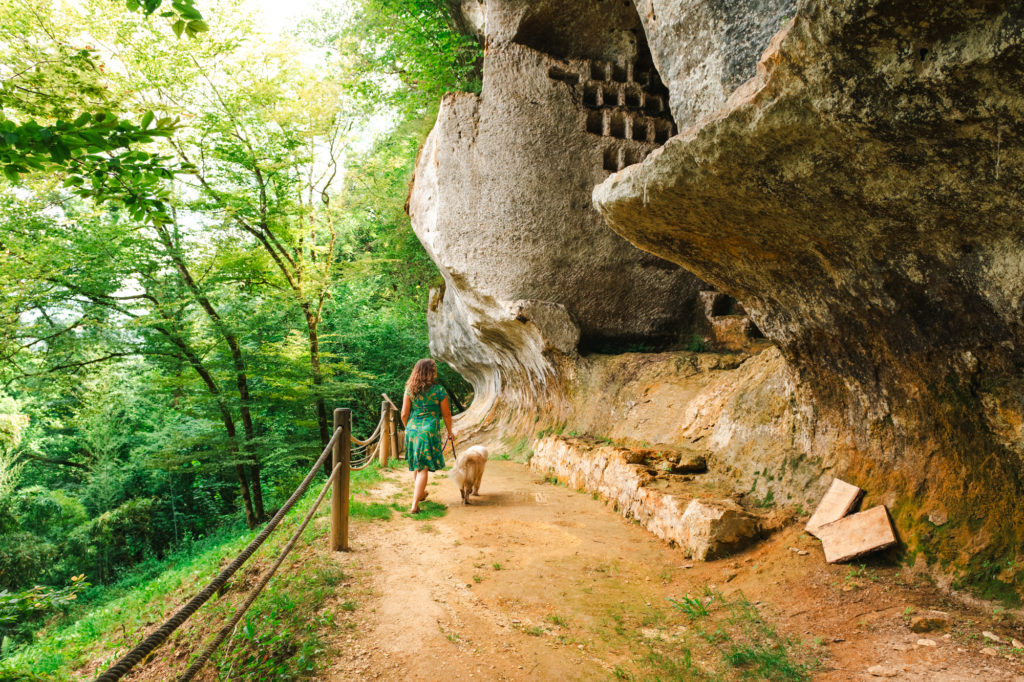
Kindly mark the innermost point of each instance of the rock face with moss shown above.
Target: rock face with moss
(847, 171)
(859, 197)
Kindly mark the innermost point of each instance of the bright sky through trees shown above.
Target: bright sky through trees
(277, 16)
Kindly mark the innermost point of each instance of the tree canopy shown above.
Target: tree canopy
(203, 248)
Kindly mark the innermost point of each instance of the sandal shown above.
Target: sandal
(425, 495)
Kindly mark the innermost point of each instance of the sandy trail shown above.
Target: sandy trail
(533, 582)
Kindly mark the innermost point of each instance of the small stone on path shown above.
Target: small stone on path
(989, 651)
(928, 623)
(991, 636)
(926, 642)
(1017, 644)
(883, 671)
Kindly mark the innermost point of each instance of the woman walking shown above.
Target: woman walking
(424, 405)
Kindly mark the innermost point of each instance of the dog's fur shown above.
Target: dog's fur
(468, 470)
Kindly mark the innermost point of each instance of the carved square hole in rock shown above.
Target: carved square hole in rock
(641, 76)
(611, 96)
(597, 71)
(595, 122)
(618, 125)
(632, 98)
(634, 156)
(592, 95)
(640, 130)
(653, 105)
(559, 74)
(619, 73)
(611, 159)
(662, 131)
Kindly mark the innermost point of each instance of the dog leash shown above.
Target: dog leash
(449, 441)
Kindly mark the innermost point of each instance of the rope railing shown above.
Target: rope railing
(346, 458)
(197, 665)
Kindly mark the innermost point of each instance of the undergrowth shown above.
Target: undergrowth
(277, 639)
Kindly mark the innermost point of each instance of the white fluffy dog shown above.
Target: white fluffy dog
(468, 470)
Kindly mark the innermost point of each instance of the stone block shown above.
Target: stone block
(713, 529)
(839, 501)
(690, 462)
(857, 534)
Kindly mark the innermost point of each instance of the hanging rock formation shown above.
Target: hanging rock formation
(502, 202)
(846, 171)
(860, 196)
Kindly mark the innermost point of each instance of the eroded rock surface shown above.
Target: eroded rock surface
(501, 200)
(859, 196)
(855, 192)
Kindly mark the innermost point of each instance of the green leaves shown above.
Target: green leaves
(98, 153)
(190, 20)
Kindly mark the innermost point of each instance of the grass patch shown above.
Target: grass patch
(428, 510)
(518, 450)
(711, 637)
(277, 639)
(555, 619)
(377, 511)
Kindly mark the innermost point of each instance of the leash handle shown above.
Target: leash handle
(451, 442)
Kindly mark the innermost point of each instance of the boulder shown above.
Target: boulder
(713, 529)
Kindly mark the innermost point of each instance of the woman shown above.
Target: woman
(423, 406)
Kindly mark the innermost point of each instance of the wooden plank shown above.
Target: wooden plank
(839, 501)
(857, 534)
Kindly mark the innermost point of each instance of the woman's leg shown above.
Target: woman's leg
(419, 487)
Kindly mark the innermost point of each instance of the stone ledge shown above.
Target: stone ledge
(707, 528)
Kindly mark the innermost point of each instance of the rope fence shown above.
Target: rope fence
(345, 458)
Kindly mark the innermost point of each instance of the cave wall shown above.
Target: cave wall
(846, 170)
(860, 196)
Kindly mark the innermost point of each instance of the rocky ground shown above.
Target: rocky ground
(537, 581)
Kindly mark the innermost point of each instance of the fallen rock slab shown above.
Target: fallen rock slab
(857, 534)
(839, 501)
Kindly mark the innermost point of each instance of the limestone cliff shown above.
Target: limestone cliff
(847, 170)
(502, 201)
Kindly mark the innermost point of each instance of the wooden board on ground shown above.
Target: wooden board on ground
(857, 534)
(839, 501)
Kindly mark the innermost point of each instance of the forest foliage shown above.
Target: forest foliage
(203, 250)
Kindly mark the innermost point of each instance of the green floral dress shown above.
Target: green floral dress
(423, 430)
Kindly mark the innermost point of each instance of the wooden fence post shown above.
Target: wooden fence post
(384, 444)
(340, 488)
(396, 419)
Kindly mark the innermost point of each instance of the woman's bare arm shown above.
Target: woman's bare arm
(406, 408)
(446, 412)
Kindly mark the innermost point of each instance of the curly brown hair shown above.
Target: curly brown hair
(424, 375)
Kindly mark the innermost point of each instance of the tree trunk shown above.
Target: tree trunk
(312, 324)
(251, 517)
(237, 359)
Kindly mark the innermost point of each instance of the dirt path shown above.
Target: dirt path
(538, 582)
